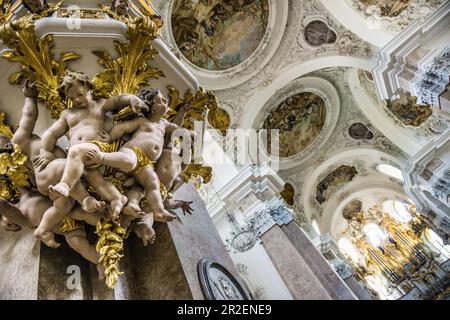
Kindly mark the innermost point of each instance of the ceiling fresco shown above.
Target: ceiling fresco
(334, 181)
(388, 8)
(219, 35)
(299, 119)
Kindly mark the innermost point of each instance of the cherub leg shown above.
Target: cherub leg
(149, 180)
(80, 215)
(87, 202)
(108, 191)
(144, 229)
(125, 159)
(14, 214)
(73, 170)
(52, 217)
(77, 241)
(132, 209)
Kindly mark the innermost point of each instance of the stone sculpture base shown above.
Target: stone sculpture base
(164, 270)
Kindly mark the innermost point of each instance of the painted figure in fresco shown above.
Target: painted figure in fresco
(84, 123)
(139, 154)
(121, 7)
(35, 6)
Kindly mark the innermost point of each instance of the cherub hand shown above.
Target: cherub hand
(42, 160)
(94, 156)
(29, 89)
(138, 105)
(186, 207)
(104, 135)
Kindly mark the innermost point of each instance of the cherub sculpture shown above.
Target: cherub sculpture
(121, 7)
(35, 6)
(29, 212)
(139, 154)
(30, 144)
(84, 122)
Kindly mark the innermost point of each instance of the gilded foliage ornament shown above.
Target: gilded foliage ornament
(38, 64)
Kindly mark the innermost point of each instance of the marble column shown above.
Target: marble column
(357, 288)
(324, 272)
(168, 268)
(304, 270)
(292, 267)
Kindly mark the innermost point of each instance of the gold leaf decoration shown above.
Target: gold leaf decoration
(197, 173)
(4, 127)
(38, 63)
(110, 246)
(200, 103)
(130, 71)
(13, 174)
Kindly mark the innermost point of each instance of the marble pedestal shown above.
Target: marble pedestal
(168, 269)
(164, 270)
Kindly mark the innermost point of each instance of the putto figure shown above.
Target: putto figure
(139, 154)
(84, 123)
(35, 6)
(121, 7)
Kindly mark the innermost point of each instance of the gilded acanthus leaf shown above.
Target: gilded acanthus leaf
(38, 64)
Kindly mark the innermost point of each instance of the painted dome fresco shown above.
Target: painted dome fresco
(300, 118)
(219, 35)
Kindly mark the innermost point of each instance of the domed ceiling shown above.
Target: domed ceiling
(300, 118)
(219, 35)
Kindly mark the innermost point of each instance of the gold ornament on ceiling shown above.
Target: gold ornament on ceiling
(388, 8)
(408, 111)
(288, 194)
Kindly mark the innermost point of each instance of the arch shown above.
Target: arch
(300, 68)
(353, 21)
(401, 137)
(334, 221)
(343, 156)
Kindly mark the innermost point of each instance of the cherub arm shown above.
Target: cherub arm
(48, 143)
(119, 130)
(14, 214)
(29, 116)
(124, 100)
(176, 204)
(56, 131)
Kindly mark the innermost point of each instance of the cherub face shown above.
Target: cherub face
(5, 144)
(160, 106)
(81, 95)
(8, 225)
(36, 6)
(121, 7)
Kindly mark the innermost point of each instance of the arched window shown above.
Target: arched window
(348, 249)
(397, 210)
(437, 244)
(315, 226)
(374, 234)
(391, 171)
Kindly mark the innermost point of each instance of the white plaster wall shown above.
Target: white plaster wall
(261, 270)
